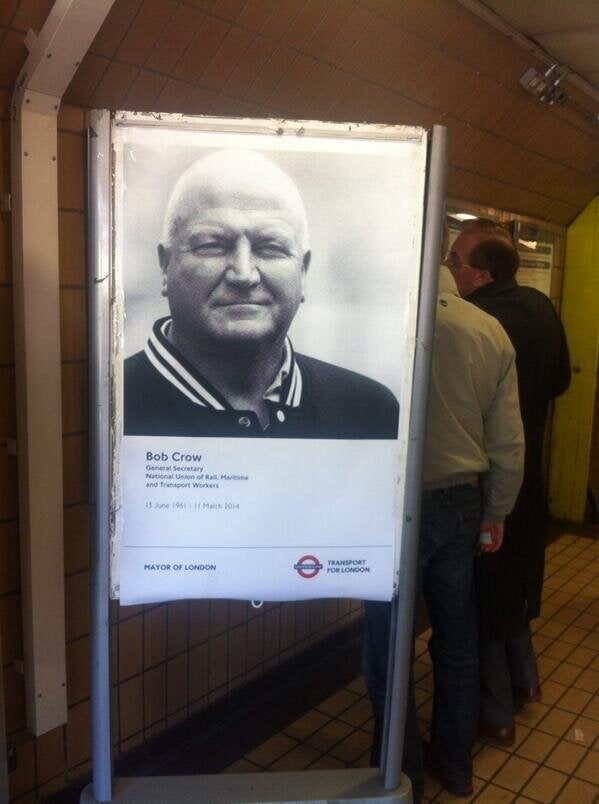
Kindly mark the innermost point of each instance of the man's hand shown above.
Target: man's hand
(491, 536)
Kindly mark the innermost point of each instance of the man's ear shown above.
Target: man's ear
(164, 255)
(483, 277)
(305, 265)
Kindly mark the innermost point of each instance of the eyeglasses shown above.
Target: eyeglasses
(452, 260)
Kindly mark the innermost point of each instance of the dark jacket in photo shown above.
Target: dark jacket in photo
(164, 395)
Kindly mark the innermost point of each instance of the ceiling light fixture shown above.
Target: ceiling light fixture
(547, 88)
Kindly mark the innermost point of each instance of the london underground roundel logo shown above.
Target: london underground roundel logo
(308, 566)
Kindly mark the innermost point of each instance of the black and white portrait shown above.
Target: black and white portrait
(261, 293)
(234, 256)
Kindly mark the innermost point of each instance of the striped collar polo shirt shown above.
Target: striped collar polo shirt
(308, 398)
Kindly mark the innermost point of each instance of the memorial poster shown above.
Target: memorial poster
(266, 279)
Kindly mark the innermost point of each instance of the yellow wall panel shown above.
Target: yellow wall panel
(573, 419)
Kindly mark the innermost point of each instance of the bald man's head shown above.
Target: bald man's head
(234, 253)
(235, 178)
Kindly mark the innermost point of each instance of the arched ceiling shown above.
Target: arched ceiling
(401, 61)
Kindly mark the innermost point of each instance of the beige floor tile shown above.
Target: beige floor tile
(552, 629)
(297, 759)
(425, 711)
(588, 680)
(271, 750)
(556, 722)
(327, 762)
(583, 731)
(565, 756)
(352, 747)
(549, 610)
(565, 673)
(541, 642)
(560, 599)
(578, 792)
(589, 768)
(306, 725)
(553, 582)
(368, 726)
(580, 600)
(578, 563)
(574, 700)
(546, 666)
(530, 714)
(489, 760)
(357, 714)
(242, 766)
(581, 656)
(522, 732)
(558, 649)
(566, 615)
(338, 702)
(592, 709)
(495, 795)
(515, 773)
(545, 785)
(586, 620)
(552, 692)
(329, 735)
(420, 669)
(574, 635)
(443, 797)
(537, 746)
(566, 572)
(427, 683)
(421, 648)
(363, 761)
(358, 686)
(421, 696)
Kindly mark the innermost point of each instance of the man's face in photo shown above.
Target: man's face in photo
(235, 260)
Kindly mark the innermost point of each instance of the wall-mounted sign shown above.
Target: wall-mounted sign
(266, 279)
(535, 249)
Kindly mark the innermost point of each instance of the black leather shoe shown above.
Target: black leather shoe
(498, 735)
(526, 695)
(434, 767)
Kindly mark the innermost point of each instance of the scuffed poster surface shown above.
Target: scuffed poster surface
(264, 317)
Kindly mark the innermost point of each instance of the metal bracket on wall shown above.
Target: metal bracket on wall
(54, 56)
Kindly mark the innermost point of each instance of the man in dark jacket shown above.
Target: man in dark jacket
(484, 261)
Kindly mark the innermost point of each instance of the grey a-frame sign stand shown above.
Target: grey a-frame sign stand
(351, 785)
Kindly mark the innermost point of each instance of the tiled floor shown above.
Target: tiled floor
(556, 754)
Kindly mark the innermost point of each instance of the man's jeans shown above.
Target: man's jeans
(449, 529)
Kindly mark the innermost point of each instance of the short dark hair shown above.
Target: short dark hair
(497, 255)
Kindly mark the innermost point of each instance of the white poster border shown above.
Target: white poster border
(285, 135)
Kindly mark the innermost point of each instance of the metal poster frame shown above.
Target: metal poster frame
(366, 785)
